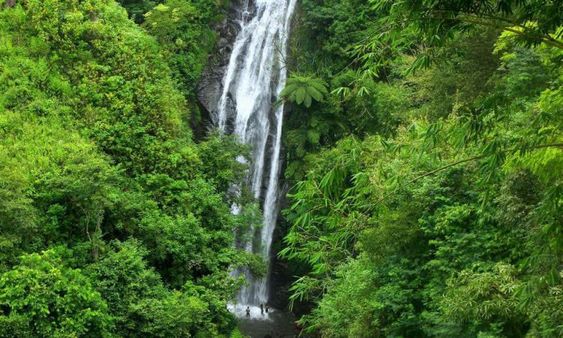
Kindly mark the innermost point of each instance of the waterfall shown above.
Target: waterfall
(254, 78)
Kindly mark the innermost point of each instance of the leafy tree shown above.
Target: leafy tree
(55, 186)
(42, 297)
(534, 21)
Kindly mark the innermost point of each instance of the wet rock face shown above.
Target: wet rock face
(210, 85)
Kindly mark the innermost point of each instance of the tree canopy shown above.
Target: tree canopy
(426, 200)
(113, 222)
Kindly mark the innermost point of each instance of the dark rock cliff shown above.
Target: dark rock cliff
(210, 86)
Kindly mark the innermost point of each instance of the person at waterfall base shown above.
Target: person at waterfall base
(262, 308)
(267, 308)
(248, 311)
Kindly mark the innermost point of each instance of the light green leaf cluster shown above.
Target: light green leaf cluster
(113, 221)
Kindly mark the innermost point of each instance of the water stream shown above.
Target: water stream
(247, 108)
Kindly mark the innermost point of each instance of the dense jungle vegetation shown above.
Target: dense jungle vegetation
(424, 154)
(423, 151)
(113, 221)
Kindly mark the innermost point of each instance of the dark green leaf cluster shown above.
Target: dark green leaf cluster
(303, 90)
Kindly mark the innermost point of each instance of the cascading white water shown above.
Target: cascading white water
(254, 78)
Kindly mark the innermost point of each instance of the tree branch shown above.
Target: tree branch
(474, 158)
(494, 21)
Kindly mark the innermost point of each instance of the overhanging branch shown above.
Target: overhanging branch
(475, 158)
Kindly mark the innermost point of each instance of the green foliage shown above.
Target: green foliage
(184, 29)
(304, 90)
(325, 32)
(96, 157)
(124, 280)
(42, 297)
(175, 315)
(447, 225)
(55, 185)
(475, 298)
(438, 17)
(420, 28)
(217, 162)
(137, 8)
(236, 334)
(321, 47)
